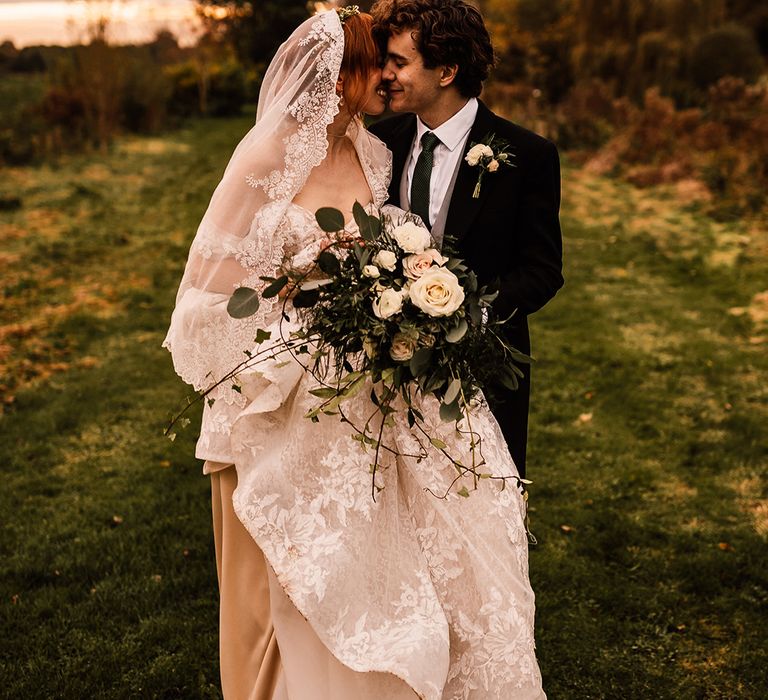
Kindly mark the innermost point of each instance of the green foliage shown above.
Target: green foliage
(216, 88)
(646, 448)
(253, 31)
(730, 50)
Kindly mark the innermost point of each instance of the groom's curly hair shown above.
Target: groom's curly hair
(447, 32)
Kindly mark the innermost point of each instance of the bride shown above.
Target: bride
(410, 595)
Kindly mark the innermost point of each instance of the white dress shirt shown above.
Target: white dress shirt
(453, 135)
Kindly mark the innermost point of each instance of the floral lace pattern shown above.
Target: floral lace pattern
(434, 591)
(313, 110)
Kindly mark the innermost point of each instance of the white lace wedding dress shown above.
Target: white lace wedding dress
(408, 595)
(433, 592)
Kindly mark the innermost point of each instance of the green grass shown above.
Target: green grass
(647, 450)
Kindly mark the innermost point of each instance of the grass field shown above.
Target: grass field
(648, 445)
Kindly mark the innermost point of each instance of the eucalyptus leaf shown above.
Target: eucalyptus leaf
(329, 263)
(276, 287)
(315, 284)
(439, 444)
(363, 222)
(420, 361)
(433, 383)
(329, 219)
(450, 411)
(243, 303)
(463, 492)
(457, 332)
(520, 357)
(509, 380)
(324, 392)
(452, 392)
(475, 312)
(304, 299)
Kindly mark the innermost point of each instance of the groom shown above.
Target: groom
(437, 53)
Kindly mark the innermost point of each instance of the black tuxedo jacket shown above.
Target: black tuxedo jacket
(509, 236)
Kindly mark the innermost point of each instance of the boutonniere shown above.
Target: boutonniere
(489, 155)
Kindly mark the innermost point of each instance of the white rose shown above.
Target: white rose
(474, 154)
(371, 271)
(493, 166)
(402, 347)
(477, 152)
(386, 259)
(437, 292)
(414, 266)
(411, 237)
(388, 303)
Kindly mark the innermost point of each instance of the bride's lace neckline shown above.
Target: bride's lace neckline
(347, 224)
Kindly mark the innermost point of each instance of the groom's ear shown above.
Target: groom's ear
(448, 75)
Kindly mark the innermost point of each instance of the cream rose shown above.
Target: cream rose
(385, 259)
(437, 292)
(411, 237)
(388, 303)
(414, 266)
(402, 347)
(477, 152)
(371, 271)
(493, 166)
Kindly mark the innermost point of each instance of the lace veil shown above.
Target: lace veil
(239, 238)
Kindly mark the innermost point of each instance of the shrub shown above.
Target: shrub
(728, 50)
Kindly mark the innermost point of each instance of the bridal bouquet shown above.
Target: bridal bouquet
(388, 311)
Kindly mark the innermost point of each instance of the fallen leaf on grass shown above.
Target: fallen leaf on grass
(583, 419)
(567, 529)
(89, 362)
(724, 546)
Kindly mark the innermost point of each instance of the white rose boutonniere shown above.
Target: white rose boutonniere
(489, 155)
(437, 292)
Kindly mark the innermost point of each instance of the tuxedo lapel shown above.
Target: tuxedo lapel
(464, 208)
(400, 145)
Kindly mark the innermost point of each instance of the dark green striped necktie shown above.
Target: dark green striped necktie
(422, 174)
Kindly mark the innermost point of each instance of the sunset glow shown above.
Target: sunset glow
(65, 21)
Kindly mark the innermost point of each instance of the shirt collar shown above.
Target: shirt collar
(452, 132)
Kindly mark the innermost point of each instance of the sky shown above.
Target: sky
(63, 22)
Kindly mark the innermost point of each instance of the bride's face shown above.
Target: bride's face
(375, 94)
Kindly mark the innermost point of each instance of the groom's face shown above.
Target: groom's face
(411, 86)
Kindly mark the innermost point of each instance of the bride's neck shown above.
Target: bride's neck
(337, 131)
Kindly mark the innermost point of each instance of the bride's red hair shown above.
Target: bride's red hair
(361, 58)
